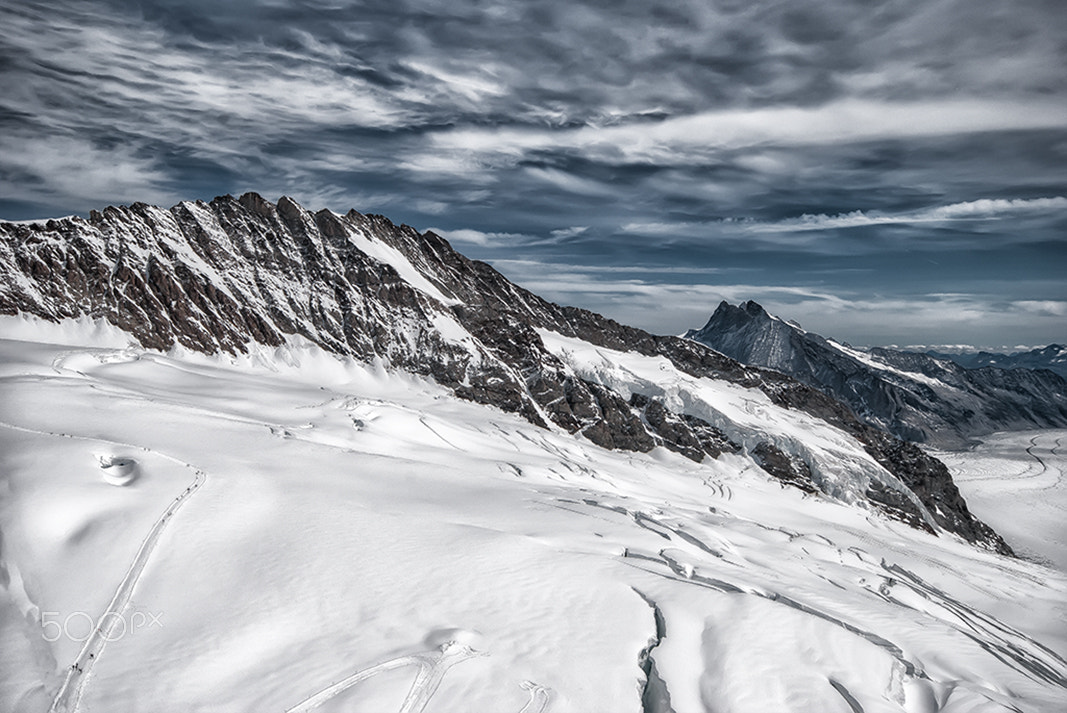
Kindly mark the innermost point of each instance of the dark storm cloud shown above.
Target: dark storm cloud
(796, 139)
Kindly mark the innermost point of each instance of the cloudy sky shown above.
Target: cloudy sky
(888, 172)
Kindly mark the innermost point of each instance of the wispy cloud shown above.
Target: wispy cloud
(790, 231)
(825, 139)
(72, 167)
(538, 269)
(573, 231)
(478, 237)
(697, 137)
(985, 209)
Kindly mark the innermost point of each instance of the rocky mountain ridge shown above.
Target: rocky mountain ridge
(216, 276)
(914, 396)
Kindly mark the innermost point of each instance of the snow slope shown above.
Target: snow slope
(871, 361)
(339, 536)
(841, 467)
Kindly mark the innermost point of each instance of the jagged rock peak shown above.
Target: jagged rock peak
(726, 313)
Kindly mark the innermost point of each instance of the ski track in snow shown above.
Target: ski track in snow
(79, 673)
(68, 698)
(1053, 450)
(432, 666)
(539, 697)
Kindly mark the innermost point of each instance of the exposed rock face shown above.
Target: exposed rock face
(929, 479)
(216, 276)
(914, 396)
(682, 433)
(792, 471)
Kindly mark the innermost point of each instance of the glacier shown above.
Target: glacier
(354, 537)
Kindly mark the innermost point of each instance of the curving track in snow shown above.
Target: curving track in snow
(1050, 450)
(432, 667)
(68, 698)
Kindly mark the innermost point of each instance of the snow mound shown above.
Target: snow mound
(118, 471)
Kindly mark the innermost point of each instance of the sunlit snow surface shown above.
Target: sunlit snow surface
(304, 534)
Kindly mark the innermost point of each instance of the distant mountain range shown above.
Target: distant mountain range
(919, 397)
(1053, 357)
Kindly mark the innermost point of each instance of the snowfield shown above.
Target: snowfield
(302, 533)
(1015, 482)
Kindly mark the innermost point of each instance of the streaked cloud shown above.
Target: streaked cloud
(894, 148)
(789, 232)
(696, 138)
(478, 237)
(1043, 308)
(998, 207)
(984, 209)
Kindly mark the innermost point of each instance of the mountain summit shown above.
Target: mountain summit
(219, 276)
(915, 396)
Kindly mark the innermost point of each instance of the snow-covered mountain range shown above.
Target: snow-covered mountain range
(216, 277)
(259, 458)
(1053, 357)
(915, 396)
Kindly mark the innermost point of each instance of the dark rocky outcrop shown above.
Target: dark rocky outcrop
(682, 433)
(791, 471)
